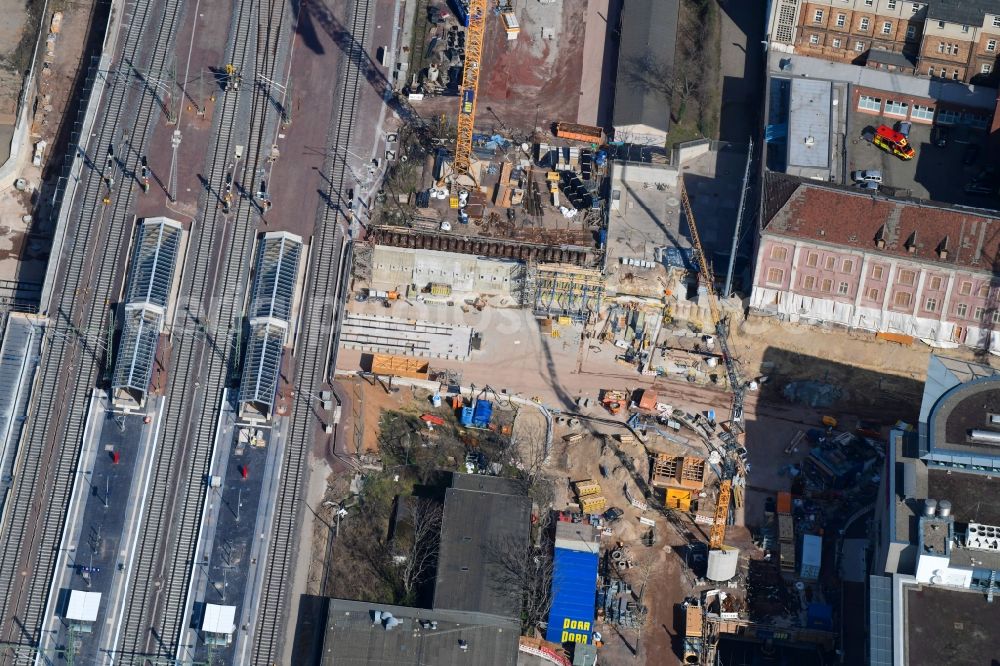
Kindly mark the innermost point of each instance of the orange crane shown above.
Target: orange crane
(469, 90)
(718, 531)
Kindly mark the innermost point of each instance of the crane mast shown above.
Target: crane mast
(470, 86)
(718, 531)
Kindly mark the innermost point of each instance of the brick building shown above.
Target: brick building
(838, 256)
(947, 39)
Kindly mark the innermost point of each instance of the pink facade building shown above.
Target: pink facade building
(839, 256)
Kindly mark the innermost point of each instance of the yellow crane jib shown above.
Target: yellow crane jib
(718, 532)
(469, 90)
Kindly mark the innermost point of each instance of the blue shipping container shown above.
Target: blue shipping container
(483, 414)
(574, 593)
(461, 10)
(466, 417)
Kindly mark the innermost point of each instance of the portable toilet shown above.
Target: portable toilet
(436, 400)
(483, 413)
(466, 416)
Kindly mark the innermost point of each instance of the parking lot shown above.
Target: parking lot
(936, 173)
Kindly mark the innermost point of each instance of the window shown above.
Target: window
(965, 28)
(867, 103)
(876, 272)
(996, 21)
(965, 288)
(779, 253)
(935, 283)
(902, 299)
(837, 43)
(831, 263)
(907, 277)
(809, 282)
(996, 317)
(991, 45)
(843, 288)
(983, 291)
(954, 75)
(961, 309)
(887, 28)
(863, 26)
(814, 39)
(869, 3)
(812, 260)
(827, 285)
(978, 313)
(859, 46)
(940, 25)
(872, 295)
(818, 18)
(931, 305)
(930, 71)
(896, 108)
(941, 47)
(922, 112)
(986, 68)
(775, 276)
(911, 31)
(841, 20)
(916, 7)
(848, 266)
(891, 4)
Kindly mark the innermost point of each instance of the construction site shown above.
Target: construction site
(565, 270)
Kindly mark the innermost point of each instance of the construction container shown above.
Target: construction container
(510, 25)
(786, 528)
(787, 557)
(577, 132)
(722, 563)
(482, 414)
(593, 503)
(812, 556)
(457, 402)
(784, 503)
(399, 366)
(678, 499)
(648, 400)
(574, 592)
(586, 487)
(466, 417)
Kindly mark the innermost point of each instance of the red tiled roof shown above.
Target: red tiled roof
(853, 219)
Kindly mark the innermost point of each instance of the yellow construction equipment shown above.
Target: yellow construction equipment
(469, 90)
(718, 532)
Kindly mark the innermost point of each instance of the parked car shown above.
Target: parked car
(903, 127)
(613, 514)
(939, 136)
(980, 189)
(971, 154)
(867, 175)
(869, 185)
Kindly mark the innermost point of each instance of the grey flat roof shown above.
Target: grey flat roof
(649, 30)
(476, 528)
(975, 498)
(354, 638)
(953, 92)
(949, 626)
(891, 58)
(809, 123)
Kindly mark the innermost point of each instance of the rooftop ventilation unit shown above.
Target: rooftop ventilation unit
(983, 537)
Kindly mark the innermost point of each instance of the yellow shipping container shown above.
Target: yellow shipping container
(593, 503)
(453, 202)
(565, 321)
(587, 487)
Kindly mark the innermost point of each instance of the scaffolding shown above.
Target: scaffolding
(564, 290)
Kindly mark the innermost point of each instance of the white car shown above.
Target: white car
(867, 176)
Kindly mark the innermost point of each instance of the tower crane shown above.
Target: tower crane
(721, 326)
(469, 90)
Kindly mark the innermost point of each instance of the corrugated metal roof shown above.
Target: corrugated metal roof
(574, 593)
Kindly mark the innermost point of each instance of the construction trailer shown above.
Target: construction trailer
(574, 585)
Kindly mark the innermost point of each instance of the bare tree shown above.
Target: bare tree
(523, 572)
(418, 545)
(647, 72)
(643, 573)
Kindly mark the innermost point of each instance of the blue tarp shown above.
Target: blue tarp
(680, 258)
(574, 591)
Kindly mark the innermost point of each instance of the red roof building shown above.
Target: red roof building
(833, 255)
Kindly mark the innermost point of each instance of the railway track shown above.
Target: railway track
(323, 301)
(71, 365)
(207, 343)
